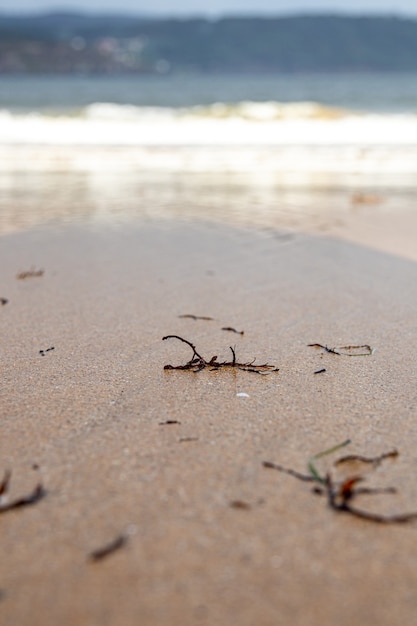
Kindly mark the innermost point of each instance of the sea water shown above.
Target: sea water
(201, 144)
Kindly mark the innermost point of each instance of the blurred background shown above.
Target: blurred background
(263, 113)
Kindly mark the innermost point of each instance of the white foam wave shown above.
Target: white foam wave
(253, 111)
(245, 123)
(246, 136)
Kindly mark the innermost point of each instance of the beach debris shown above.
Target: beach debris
(169, 422)
(32, 498)
(341, 494)
(43, 352)
(4, 485)
(240, 504)
(3, 301)
(197, 363)
(206, 318)
(187, 439)
(242, 394)
(361, 350)
(233, 330)
(257, 371)
(366, 198)
(32, 273)
(196, 317)
(374, 461)
(109, 548)
(320, 371)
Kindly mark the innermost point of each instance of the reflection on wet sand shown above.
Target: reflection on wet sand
(30, 199)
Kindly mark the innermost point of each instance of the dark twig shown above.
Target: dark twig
(291, 472)
(234, 356)
(101, 553)
(197, 363)
(37, 494)
(196, 317)
(257, 371)
(240, 504)
(4, 485)
(374, 461)
(233, 330)
(43, 352)
(325, 348)
(374, 492)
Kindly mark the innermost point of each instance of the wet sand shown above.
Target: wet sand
(123, 446)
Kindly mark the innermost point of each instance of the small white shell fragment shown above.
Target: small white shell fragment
(242, 394)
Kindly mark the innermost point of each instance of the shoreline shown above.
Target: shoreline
(377, 214)
(124, 447)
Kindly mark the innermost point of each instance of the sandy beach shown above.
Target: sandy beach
(172, 461)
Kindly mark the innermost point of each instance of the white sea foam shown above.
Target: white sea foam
(298, 137)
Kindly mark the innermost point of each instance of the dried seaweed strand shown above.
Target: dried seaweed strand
(339, 499)
(104, 551)
(291, 472)
(340, 496)
(366, 349)
(4, 485)
(37, 494)
(374, 461)
(196, 317)
(32, 273)
(325, 348)
(233, 330)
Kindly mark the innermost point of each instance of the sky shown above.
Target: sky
(215, 7)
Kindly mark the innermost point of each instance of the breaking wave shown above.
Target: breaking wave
(243, 136)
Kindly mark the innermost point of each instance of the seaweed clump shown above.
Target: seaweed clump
(341, 496)
(197, 363)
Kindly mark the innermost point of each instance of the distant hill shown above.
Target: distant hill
(78, 43)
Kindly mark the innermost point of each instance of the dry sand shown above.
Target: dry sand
(88, 420)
